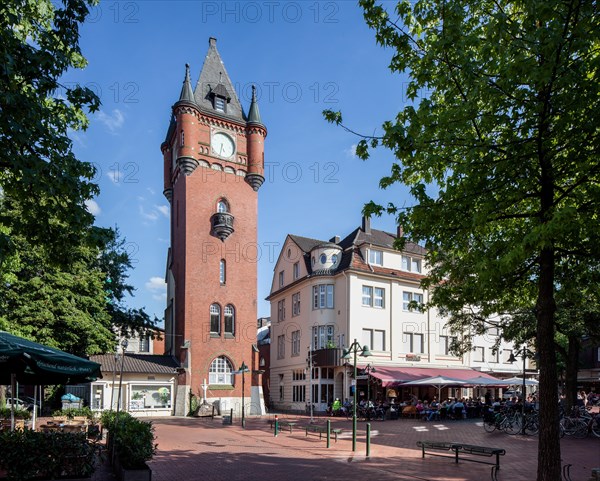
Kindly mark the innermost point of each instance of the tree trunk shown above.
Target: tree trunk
(549, 468)
(572, 362)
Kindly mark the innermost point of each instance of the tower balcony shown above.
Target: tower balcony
(221, 225)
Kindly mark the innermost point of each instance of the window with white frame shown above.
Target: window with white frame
(222, 271)
(413, 342)
(411, 264)
(221, 371)
(295, 343)
(445, 344)
(296, 304)
(374, 339)
(379, 297)
(281, 347)
(144, 343)
(222, 206)
(281, 278)
(281, 310)
(322, 336)
(229, 319)
(296, 270)
(150, 396)
(367, 296)
(323, 296)
(375, 257)
(479, 354)
(215, 319)
(408, 297)
(298, 375)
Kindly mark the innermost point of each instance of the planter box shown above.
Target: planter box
(136, 474)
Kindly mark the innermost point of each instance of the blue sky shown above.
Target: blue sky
(303, 56)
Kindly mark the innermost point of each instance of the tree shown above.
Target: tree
(501, 158)
(39, 42)
(73, 306)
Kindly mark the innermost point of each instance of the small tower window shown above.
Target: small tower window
(220, 104)
(229, 319)
(182, 138)
(323, 259)
(222, 207)
(215, 319)
(222, 271)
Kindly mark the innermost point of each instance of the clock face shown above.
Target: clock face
(223, 145)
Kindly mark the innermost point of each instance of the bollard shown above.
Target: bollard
(368, 439)
(328, 433)
(231, 416)
(276, 425)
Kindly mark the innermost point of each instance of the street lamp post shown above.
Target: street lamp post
(124, 344)
(242, 370)
(523, 353)
(354, 349)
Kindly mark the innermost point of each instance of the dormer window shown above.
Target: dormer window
(220, 104)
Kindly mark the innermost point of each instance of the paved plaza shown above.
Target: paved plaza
(204, 449)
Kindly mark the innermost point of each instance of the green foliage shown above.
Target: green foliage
(39, 174)
(133, 439)
(72, 412)
(19, 413)
(501, 157)
(30, 454)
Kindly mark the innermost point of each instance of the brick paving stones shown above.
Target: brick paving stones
(203, 449)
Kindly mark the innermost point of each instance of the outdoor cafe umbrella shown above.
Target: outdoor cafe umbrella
(486, 382)
(518, 381)
(437, 381)
(31, 363)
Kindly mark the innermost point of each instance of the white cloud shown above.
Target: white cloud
(151, 190)
(152, 215)
(351, 151)
(112, 122)
(114, 176)
(92, 207)
(163, 209)
(158, 287)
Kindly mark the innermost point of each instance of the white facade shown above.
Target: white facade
(327, 294)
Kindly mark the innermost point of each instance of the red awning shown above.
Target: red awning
(398, 375)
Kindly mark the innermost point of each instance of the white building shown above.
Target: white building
(326, 294)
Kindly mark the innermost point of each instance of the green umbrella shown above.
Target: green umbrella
(31, 363)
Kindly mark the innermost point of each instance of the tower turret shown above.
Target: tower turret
(256, 133)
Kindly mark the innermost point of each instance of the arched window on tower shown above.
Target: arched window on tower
(215, 319)
(182, 138)
(222, 206)
(222, 271)
(221, 371)
(229, 319)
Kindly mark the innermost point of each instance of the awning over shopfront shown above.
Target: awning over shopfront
(393, 376)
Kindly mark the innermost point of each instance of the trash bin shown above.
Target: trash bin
(227, 419)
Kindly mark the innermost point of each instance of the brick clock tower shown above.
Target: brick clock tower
(213, 167)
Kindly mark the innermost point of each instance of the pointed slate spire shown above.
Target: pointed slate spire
(214, 80)
(254, 114)
(187, 94)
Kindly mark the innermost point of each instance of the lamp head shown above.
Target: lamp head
(365, 352)
(124, 344)
(346, 354)
(512, 358)
(243, 367)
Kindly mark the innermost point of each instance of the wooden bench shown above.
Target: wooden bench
(314, 428)
(459, 449)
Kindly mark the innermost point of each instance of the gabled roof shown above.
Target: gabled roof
(378, 238)
(212, 75)
(306, 244)
(137, 363)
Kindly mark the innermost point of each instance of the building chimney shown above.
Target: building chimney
(400, 232)
(366, 225)
(335, 239)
